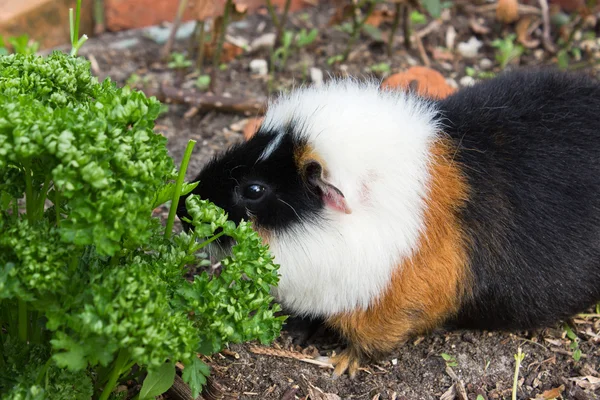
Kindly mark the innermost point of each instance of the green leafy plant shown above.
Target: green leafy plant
(417, 18)
(93, 288)
(20, 45)
(383, 68)
(291, 42)
(179, 61)
(574, 345)
(470, 71)
(203, 82)
(449, 360)
(507, 50)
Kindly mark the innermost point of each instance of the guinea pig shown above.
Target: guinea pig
(391, 214)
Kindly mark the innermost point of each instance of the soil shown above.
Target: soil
(482, 363)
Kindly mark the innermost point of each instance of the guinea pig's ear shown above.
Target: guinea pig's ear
(332, 196)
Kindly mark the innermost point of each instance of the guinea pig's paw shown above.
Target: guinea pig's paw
(348, 360)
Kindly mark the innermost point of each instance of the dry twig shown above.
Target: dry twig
(288, 354)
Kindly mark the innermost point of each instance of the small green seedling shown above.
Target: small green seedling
(382, 68)
(519, 357)
(480, 397)
(574, 346)
(179, 61)
(417, 18)
(472, 72)
(507, 50)
(335, 59)
(305, 37)
(450, 360)
(203, 82)
(20, 45)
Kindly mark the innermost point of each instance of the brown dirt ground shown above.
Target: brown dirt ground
(484, 361)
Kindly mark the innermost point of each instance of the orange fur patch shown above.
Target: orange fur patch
(306, 154)
(428, 287)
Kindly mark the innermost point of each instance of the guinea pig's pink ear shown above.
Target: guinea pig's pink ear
(332, 196)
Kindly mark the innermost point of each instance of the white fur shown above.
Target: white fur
(376, 149)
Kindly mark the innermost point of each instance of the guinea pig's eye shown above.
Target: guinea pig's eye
(254, 191)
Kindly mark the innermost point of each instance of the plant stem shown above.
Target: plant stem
(200, 54)
(2, 361)
(77, 17)
(274, 18)
(282, 23)
(15, 210)
(35, 332)
(57, 205)
(180, 178)
(221, 38)
(406, 25)
(122, 359)
(166, 50)
(518, 358)
(29, 200)
(43, 371)
(41, 199)
(398, 9)
(23, 322)
(357, 27)
(209, 241)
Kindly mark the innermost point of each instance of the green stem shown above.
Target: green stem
(57, 205)
(398, 11)
(13, 322)
(41, 199)
(43, 371)
(178, 185)
(273, 16)
(122, 359)
(221, 39)
(77, 17)
(15, 210)
(212, 239)
(2, 361)
(33, 328)
(406, 25)
(518, 358)
(282, 22)
(29, 197)
(23, 321)
(200, 54)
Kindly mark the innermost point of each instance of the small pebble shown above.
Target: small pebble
(486, 64)
(467, 81)
(470, 48)
(446, 66)
(316, 76)
(259, 67)
(266, 41)
(539, 54)
(450, 37)
(452, 82)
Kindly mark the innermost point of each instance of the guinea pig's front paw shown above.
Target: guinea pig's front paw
(349, 360)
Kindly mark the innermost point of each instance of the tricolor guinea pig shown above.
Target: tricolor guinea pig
(391, 214)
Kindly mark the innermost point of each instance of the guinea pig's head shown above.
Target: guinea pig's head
(275, 180)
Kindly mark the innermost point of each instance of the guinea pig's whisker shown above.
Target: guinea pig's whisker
(290, 206)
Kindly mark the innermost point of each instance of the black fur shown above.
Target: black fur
(286, 202)
(529, 146)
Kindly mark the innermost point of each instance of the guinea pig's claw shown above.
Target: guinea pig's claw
(347, 361)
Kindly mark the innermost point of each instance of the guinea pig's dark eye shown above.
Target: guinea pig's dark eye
(254, 191)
